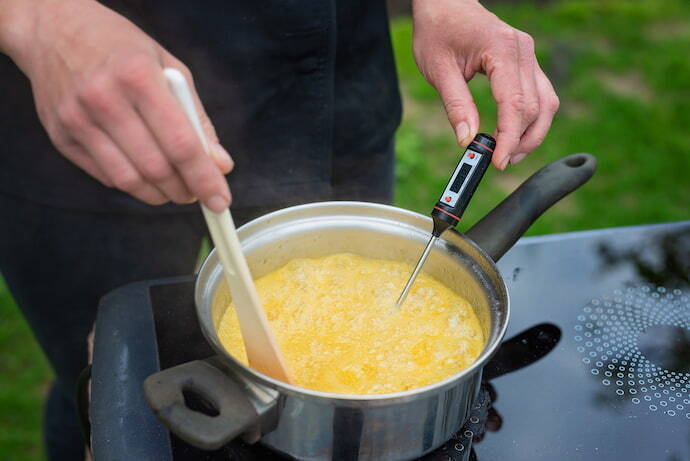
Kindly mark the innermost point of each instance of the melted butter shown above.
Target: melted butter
(336, 324)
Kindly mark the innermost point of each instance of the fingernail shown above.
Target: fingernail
(222, 153)
(462, 131)
(218, 203)
(504, 163)
(223, 156)
(517, 158)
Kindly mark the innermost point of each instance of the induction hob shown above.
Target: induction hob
(596, 367)
(616, 386)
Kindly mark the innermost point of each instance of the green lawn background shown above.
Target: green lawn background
(622, 71)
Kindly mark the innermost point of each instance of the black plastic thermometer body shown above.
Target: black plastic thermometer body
(456, 196)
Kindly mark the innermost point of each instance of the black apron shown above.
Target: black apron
(302, 93)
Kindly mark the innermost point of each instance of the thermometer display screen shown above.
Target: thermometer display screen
(460, 178)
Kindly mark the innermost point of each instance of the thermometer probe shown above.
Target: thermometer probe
(455, 198)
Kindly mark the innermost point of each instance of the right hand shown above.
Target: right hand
(456, 39)
(101, 95)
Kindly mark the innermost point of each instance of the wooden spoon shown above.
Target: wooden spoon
(259, 342)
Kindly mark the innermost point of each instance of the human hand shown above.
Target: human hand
(101, 95)
(455, 39)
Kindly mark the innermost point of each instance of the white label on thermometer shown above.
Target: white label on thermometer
(458, 181)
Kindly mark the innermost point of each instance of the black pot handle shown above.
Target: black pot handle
(168, 393)
(504, 225)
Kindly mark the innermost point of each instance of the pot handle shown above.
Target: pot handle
(228, 413)
(504, 225)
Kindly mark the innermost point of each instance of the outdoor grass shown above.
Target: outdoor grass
(24, 379)
(622, 72)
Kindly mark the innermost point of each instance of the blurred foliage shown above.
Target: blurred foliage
(24, 378)
(622, 72)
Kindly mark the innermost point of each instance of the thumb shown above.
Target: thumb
(220, 156)
(457, 100)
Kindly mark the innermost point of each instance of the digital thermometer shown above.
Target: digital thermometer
(456, 196)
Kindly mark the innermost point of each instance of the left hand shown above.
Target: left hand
(455, 39)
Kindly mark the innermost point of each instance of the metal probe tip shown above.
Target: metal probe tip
(416, 271)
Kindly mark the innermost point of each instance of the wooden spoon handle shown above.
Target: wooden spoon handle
(259, 342)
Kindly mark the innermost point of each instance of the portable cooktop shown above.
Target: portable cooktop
(596, 365)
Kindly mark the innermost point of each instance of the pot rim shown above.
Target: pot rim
(286, 388)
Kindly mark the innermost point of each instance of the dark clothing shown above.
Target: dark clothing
(303, 94)
(299, 92)
(84, 255)
(58, 263)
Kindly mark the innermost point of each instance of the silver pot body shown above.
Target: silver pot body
(312, 425)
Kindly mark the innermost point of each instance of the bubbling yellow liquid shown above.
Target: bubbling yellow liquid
(336, 324)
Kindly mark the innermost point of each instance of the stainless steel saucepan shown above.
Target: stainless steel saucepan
(312, 425)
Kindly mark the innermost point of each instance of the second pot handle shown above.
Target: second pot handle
(231, 414)
(505, 224)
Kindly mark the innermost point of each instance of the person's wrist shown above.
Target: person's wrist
(421, 3)
(17, 22)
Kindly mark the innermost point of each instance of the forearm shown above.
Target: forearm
(16, 21)
(419, 5)
(20, 22)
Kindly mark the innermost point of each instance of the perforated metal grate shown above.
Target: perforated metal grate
(636, 342)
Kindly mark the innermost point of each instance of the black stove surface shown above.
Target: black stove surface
(596, 367)
(617, 385)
